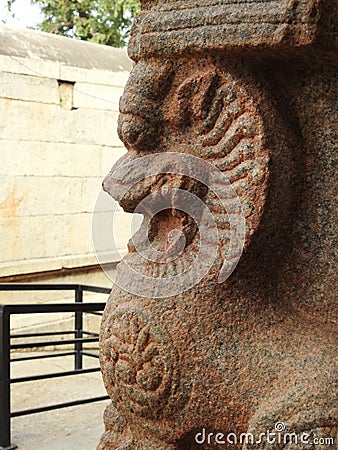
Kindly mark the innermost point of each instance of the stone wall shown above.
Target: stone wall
(58, 113)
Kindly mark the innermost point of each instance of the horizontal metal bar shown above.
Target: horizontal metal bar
(92, 355)
(54, 343)
(37, 287)
(89, 333)
(50, 333)
(98, 289)
(54, 375)
(58, 406)
(51, 308)
(52, 287)
(95, 313)
(54, 355)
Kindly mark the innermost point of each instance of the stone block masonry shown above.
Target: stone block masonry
(58, 114)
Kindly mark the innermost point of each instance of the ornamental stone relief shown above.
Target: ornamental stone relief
(221, 325)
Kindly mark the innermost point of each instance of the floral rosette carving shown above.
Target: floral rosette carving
(141, 365)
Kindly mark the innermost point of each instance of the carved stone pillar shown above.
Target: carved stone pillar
(250, 88)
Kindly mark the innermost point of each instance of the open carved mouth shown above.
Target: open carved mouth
(171, 203)
(190, 217)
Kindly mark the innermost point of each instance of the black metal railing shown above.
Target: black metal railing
(80, 337)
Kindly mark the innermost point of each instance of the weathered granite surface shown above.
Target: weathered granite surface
(250, 87)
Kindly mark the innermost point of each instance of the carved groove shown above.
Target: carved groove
(234, 138)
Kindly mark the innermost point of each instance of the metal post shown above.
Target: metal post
(78, 329)
(5, 387)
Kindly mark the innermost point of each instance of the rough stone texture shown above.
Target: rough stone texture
(249, 86)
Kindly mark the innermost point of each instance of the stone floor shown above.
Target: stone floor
(74, 428)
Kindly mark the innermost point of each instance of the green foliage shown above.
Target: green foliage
(101, 21)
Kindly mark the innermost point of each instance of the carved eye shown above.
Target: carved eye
(197, 102)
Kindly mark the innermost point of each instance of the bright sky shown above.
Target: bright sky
(26, 15)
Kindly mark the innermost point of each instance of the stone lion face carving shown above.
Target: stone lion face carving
(233, 356)
(200, 110)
